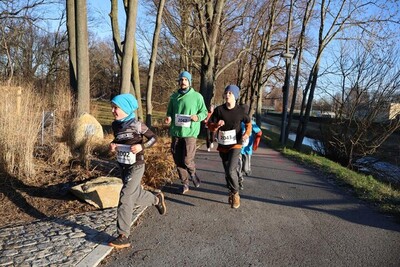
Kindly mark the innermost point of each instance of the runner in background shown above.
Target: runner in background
(227, 119)
(186, 110)
(248, 146)
(210, 135)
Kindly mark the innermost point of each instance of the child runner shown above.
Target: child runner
(129, 145)
(248, 146)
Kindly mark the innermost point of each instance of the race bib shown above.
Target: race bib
(182, 120)
(124, 154)
(227, 137)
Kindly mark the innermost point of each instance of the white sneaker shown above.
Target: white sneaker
(208, 149)
(212, 145)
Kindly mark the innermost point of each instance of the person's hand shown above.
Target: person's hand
(194, 117)
(168, 120)
(113, 146)
(221, 123)
(136, 148)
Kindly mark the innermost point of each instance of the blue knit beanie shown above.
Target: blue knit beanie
(127, 103)
(234, 89)
(187, 75)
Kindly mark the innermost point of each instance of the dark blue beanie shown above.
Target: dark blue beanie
(187, 75)
(234, 89)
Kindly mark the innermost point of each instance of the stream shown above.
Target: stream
(368, 165)
(314, 144)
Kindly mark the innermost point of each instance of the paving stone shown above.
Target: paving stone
(62, 241)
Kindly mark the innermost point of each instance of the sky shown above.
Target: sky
(99, 22)
(98, 10)
(98, 18)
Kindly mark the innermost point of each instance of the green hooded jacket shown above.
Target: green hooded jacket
(190, 103)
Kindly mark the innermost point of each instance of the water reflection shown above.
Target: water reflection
(316, 145)
(369, 165)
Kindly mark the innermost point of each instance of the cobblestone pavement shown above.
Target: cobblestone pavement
(75, 240)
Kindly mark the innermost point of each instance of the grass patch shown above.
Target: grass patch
(101, 110)
(366, 187)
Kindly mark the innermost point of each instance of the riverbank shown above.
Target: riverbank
(382, 165)
(388, 152)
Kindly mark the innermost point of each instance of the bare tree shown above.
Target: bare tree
(71, 29)
(129, 43)
(370, 85)
(152, 63)
(126, 51)
(333, 19)
(217, 22)
(103, 67)
(115, 30)
(135, 78)
(18, 36)
(201, 36)
(82, 57)
(299, 51)
(261, 55)
(209, 14)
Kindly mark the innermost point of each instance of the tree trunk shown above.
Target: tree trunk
(136, 81)
(306, 18)
(207, 82)
(71, 27)
(82, 57)
(286, 85)
(128, 46)
(185, 32)
(303, 122)
(115, 31)
(262, 64)
(152, 63)
(210, 33)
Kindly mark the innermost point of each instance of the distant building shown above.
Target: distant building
(393, 111)
(387, 112)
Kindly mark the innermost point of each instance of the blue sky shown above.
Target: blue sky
(98, 10)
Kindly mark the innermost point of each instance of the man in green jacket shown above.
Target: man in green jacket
(186, 110)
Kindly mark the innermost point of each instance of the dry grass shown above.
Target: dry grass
(20, 120)
(27, 133)
(36, 171)
(160, 166)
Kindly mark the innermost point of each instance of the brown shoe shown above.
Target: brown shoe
(235, 200)
(161, 207)
(230, 198)
(120, 242)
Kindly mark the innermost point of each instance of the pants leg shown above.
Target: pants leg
(246, 164)
(208, 138)
(190, 146)
(131, 195)
(230, 163)
(183, 151)
(240, 168)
